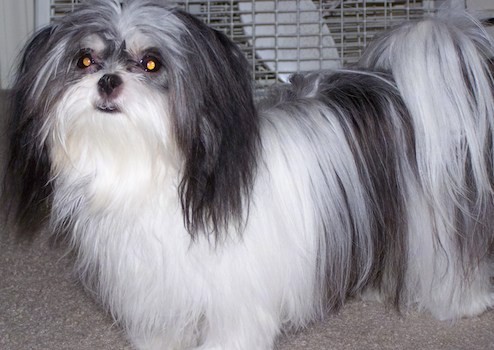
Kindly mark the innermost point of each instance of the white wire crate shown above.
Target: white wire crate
(280, 37)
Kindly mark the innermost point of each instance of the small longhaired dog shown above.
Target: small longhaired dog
(204, 219)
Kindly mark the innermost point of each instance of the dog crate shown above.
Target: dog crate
(280, 37)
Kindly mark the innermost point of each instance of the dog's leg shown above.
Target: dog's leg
(242, 328)
(443, 279)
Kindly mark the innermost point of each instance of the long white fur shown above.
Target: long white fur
(243, 289)
(431, 62)
(163, 288)
(115, 180)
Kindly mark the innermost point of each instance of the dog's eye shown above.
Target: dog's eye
(150, 64)
(85, 61)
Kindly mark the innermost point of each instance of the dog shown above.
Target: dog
(203, 219)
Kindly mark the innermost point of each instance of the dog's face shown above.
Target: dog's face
(117, 87)
(106, 79)
(110, 124)
(113, 70)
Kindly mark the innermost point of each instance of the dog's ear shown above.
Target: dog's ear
(27, 187)
(216, 127)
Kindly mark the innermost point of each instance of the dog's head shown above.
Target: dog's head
(119, 76)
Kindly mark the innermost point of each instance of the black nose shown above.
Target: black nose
(108, 83)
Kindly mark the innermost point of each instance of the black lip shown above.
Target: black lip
(108, 108)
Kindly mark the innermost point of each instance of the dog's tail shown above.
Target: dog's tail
(443, 69)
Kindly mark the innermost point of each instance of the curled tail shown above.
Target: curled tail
(443, 69)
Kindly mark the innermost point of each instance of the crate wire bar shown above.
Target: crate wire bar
(280, 37)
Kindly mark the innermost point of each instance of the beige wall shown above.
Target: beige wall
(486, 7)
(16, 24)
(482, 4)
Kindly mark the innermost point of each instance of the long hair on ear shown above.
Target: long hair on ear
(27, 189)
(216, 126)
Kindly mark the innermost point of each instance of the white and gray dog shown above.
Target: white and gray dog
(202, 220)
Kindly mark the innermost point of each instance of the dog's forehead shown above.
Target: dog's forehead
(133, 29)
(93, 41)
(137, 41)
(130, 41)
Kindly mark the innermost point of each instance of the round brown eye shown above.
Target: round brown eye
(150, 64)
(85, 61)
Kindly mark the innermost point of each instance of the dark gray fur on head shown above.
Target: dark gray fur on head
(214, 119)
